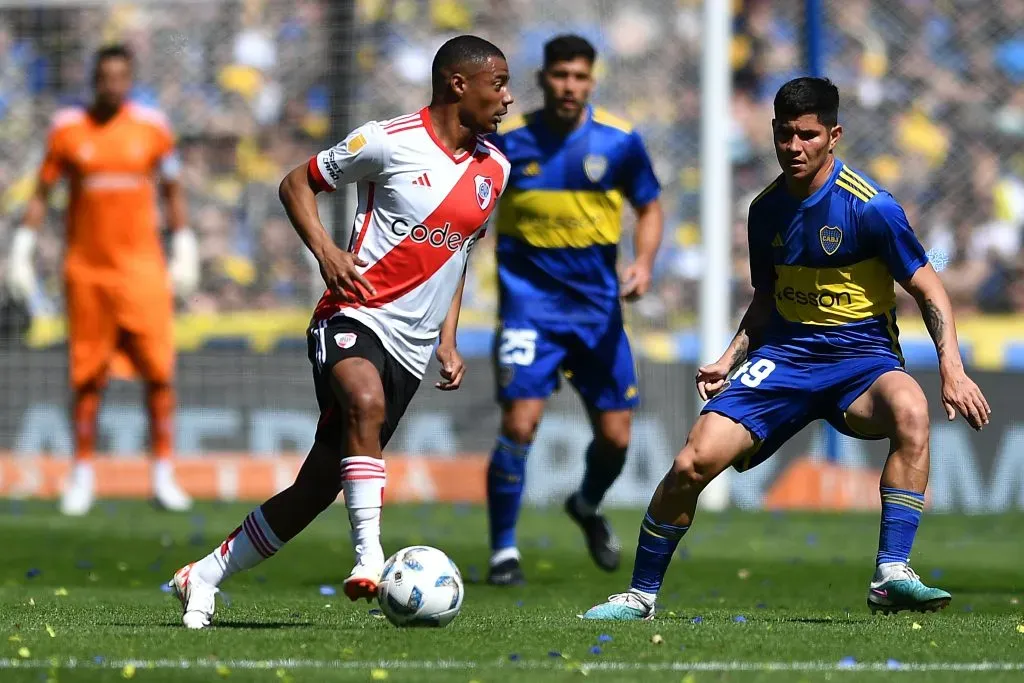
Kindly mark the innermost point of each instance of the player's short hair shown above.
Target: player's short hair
(567, 47)
(460, 50)
(115, 51)
(808, 95)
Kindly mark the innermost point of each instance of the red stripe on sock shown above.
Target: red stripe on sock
(226, 545)
(255, 535)
(368, 462)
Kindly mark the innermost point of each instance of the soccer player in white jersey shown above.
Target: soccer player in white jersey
(426, 182)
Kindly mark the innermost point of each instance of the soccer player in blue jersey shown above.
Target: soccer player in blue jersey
(559, 224)
(818, 341)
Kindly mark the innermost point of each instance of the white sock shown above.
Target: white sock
(503, 554)
(888, 571)
(362, 480)
(648, 598)
(162, 472)
(247, 546)
(82, 474)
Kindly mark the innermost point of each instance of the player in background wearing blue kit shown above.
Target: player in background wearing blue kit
(559, 224)
(818, 341)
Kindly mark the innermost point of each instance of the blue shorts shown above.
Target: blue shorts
(775, 394)
(595, 357)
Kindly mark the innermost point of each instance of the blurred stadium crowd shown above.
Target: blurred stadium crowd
(933, 107)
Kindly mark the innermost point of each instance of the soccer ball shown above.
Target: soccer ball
(420, 586)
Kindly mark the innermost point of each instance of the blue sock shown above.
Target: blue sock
(599, 476)
(901, 513)
(654, 551)
(506, 477)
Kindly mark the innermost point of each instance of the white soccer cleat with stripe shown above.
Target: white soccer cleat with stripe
(196, 597)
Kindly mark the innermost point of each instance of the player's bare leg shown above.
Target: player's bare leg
(357, 386)
(323, 475)
(713, 444)
(160, 410)
(606, 456)
(896, 407)
(506, 479)
(80, 489)
(261, 534)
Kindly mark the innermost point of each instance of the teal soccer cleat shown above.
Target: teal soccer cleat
(901, 590)
(622, 607)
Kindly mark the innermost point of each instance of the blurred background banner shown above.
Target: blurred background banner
(933, 109)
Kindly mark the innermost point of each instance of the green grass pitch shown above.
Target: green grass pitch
(750, 597)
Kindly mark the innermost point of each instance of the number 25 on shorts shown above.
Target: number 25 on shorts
(752, 373)
(518, 347)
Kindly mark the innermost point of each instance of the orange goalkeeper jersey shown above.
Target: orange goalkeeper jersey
(112, 217)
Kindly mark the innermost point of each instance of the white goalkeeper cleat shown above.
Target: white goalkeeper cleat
(363, 581)
(79, 491)
(196, 596)
(166, 492)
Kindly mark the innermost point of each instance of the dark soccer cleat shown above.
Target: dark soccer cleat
(506, 573)
(601, 541)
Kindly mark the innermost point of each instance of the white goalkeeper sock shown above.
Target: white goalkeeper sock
(362, 480)
(247, 546)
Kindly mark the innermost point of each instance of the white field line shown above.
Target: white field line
(552, 664)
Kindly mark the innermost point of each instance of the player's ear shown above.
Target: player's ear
(540, 79)
(834, 136)
(458, 84)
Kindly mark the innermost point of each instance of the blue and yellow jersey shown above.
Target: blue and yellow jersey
(831, 261)
(560, 219)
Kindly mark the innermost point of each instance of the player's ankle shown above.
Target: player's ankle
(885, 571)
(647, 598)
(583, 507)
(504, 555)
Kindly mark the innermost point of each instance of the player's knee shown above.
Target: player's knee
(687, 471)
(518, 428)
(366, 408)
(614, 441)
(910, 415)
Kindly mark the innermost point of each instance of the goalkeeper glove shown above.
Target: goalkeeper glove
(21, 272)
(184, 266)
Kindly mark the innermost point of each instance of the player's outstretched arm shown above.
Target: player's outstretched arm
(452, 367)
(711, 378)
(338, 268)
(959, 393)
(636, 279)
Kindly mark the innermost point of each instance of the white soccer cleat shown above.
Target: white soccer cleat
(196, 596)
(79, 491)
(363, 581)
(166, 492)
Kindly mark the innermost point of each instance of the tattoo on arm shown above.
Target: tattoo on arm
(935, 323)
(741, 349)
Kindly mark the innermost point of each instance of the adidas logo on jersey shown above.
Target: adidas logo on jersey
(435, 237)
(777, 242)
(422, 180)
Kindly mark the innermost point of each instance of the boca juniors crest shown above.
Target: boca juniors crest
(594, 165)
(484, 190)
(830, 238)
